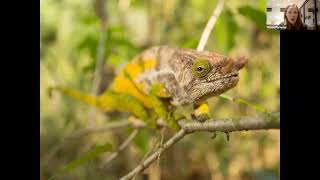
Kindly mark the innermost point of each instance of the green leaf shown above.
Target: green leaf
(262, 5)
(90, 42)
(191, 43)
(115, 60)
(114, 29)
(255, 15)
(89, 68)
(83, 159)
(243, 101)
(88, 19)
(141, 141)
(225, 30)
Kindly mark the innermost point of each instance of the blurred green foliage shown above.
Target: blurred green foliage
(225, 30)
(84, 158)
(70, 32)
(257, 16)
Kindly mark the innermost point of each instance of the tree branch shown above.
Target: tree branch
(269, 121)
(212, 21)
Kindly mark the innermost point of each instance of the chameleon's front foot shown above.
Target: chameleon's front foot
(201, 117)
(202, 113)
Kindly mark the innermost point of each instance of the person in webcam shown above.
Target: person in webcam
(292, 20)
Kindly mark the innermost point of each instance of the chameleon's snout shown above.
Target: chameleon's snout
(240, 63)
(232, 65)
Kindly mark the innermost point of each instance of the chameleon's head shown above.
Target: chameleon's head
(208, 74)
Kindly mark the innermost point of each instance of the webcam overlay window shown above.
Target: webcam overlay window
(293, 14)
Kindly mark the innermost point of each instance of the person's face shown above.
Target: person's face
(292, 14)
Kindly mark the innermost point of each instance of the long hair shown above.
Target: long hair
(298, 24)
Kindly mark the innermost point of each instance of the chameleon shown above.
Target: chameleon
(162, 78)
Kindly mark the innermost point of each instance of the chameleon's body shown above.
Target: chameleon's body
(162, 78)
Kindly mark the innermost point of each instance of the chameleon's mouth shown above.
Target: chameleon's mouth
(228, 76)
(216, 86)
(235, 75)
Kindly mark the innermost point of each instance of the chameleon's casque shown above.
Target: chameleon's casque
(163, 77)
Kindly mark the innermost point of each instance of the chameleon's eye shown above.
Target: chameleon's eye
(201, 67)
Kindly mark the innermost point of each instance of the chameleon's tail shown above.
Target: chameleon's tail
(110, 101)
(80, 96)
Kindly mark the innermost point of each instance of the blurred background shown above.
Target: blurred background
(85, 43)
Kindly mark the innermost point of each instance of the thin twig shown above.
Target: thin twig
(123, 146)
(158, 163)
(97, 77)
(102, 15)
(205, 35)
(147, 154)
(111, 125)
(271, 121)
(154, 156)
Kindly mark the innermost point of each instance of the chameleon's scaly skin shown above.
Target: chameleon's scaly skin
(161, 78)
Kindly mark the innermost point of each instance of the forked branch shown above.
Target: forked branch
(269, 121)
